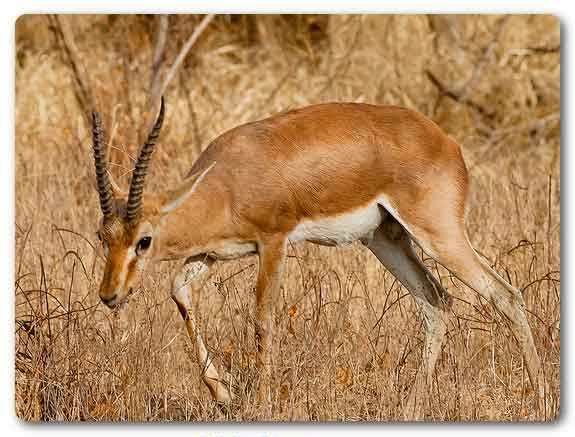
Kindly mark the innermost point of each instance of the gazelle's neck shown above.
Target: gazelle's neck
(196, 227)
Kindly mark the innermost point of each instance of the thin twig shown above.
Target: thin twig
(161, 38)
(465, 89)
(65, 40)
(181, 56)
(444, 90)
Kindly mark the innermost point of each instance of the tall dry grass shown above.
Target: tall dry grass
(348, 337)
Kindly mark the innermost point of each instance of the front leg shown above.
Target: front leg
(189, 278)
(271, 261)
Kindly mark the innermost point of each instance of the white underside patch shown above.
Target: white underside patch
(346, 228)
(357, 225)
(233, 250)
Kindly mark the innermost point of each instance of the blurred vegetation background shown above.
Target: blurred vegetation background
(492, 82)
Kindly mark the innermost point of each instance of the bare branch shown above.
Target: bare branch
(454, 95)
(197, 136)
(544, 49)
(159, 46)
(181, 56)
(65, 40)
(463, 91)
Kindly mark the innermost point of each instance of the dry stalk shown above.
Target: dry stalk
(159, 86)
(83, 88)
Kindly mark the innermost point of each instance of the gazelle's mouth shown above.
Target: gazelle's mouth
(118, 303)
(122, 303)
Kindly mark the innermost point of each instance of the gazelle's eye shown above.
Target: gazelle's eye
(99, 236)
(143, 244)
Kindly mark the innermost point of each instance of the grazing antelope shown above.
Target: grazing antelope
(330, 174)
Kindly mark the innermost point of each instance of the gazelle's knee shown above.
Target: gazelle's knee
(190, 273)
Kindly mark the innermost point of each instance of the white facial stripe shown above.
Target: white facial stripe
(130, 255)
(123, 271)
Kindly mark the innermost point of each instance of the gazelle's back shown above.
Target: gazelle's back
(333, 158)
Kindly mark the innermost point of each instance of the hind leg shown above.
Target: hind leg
(392, 246)
(452, 249)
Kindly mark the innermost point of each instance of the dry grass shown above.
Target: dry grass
(348, 337)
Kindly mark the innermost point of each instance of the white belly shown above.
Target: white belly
(232, 250)
(341, 229)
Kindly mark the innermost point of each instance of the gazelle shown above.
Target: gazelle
(331, 174)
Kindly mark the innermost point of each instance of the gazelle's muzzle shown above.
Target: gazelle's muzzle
(115, 286)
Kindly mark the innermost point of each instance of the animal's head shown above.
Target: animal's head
(130, 223)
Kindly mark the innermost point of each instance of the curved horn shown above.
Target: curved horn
(141, 169)
(102, 178)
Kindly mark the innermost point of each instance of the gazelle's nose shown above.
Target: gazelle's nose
(109, 301)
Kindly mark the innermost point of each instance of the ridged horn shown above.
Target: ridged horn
(139, 176)
(102, 178)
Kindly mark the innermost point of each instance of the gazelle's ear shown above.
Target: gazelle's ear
(176, 197)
